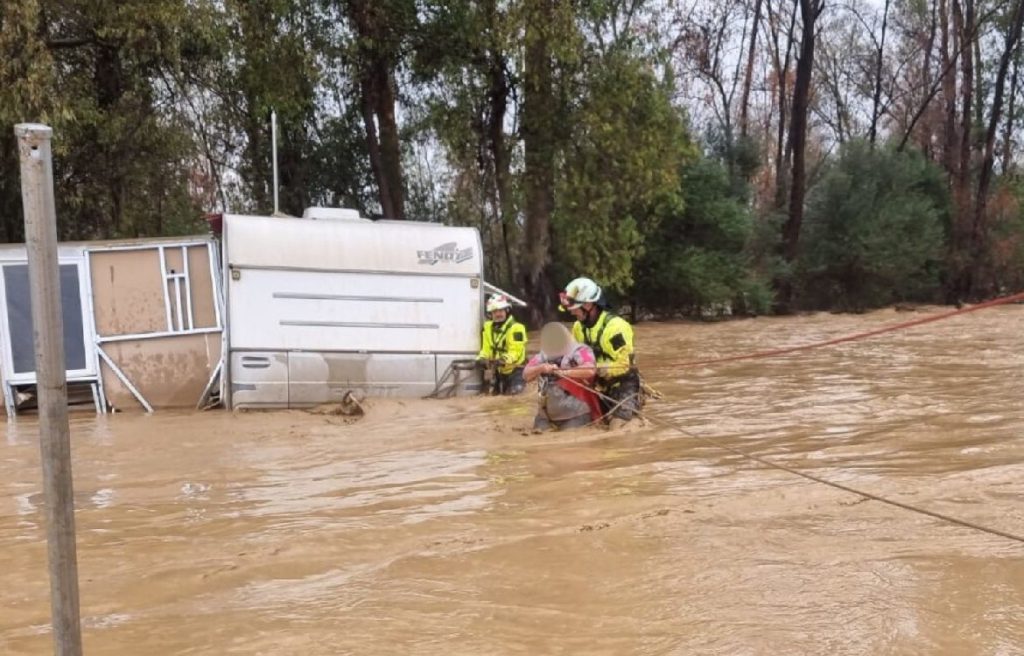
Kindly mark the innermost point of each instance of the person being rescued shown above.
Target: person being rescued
(503, 347)
(611, 338)
(566, 372)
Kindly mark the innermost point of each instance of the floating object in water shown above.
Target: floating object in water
(350, 406)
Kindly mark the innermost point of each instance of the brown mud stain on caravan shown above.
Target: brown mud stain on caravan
(172, 370)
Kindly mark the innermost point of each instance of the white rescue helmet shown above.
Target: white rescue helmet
(580, 291)
(498, 302)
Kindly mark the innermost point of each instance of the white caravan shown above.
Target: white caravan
(331, 303)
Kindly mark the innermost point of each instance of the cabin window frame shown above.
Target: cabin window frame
(90, 370)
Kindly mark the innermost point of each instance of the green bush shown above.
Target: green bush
(874, 232)
(695, 262)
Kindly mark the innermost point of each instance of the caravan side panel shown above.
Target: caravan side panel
(365, 312)
(259, 379)
(317, 378)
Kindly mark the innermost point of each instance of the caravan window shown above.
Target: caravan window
(19, 319)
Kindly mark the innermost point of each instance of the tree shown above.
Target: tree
(540, 114)
(783, 37)
(124, 162)
(569, 133)
(621, 169)
(695, 262)
(748, 77)
(844, 64)
(875, 231)
(877, 108)
(809, 12)
(269, 68)
(380, 27)
(27, 86)
(1011, 113)
(1010, 44)
(704, 43)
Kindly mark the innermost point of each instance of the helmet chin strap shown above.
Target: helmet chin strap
(592, 314)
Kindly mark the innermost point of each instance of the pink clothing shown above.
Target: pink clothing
(568, 399)
(579, 356)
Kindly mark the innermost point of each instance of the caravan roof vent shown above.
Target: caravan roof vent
(332, 214)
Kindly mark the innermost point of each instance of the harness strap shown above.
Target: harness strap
(498, 339)
(595, 344)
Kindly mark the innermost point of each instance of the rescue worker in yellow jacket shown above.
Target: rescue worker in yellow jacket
(503, 347)
(611, 338)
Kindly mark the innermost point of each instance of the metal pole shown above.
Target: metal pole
(273, 149)
(51, 382)
(497, 290)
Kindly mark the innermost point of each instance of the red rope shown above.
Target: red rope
(850, 338)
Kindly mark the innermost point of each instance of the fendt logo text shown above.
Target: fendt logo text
(449, 252)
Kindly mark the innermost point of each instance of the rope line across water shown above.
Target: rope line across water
(715, 442)
(839, 340)
(839, 486)
(854, 337)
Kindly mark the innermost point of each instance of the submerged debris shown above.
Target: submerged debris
(351, 406)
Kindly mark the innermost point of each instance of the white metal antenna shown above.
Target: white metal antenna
(273, 151)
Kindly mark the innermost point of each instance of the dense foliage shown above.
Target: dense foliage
(875, 230)
(696, 262)
(696, 158)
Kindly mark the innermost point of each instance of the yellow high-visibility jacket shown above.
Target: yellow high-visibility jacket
(611, 338)
(507, 344)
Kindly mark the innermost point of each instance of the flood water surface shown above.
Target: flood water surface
(445, 527)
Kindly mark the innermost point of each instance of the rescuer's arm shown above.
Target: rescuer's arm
(486, 350)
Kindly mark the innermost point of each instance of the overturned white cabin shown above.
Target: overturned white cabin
(142, 323)
(331, 303)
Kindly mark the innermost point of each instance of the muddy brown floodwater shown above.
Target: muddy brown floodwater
(443, 528)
